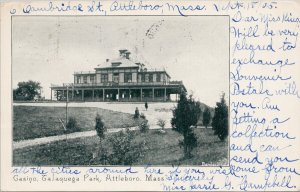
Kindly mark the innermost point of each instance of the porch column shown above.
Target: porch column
(72, 94)
(82, 94)
(103, 94)
(118, 94)
(165, 99)
(129, 95)
(141, 94)
(93, 95)
(152, 94)
(63, 94)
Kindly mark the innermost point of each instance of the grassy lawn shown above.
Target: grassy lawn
(34, 122)
(162, 149)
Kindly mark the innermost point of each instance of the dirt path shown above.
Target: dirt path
(44, 140)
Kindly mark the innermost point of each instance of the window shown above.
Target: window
(92, 78)
(104, 78)
(158, 77)
(85, 79)
(127, 77)
(150, 77)
(116, 77)
(78, 79)
(143, 77)
(147, 77)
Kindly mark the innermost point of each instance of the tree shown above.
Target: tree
(220, 119)
(136, 113)
(100, 127)
(144, 126)
(186, 115)
(206, 117)
(72, 125)
(27, 90)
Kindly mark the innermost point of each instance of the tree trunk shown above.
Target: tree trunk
(189, 152)
(186, 150)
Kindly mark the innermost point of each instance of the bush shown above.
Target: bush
(136, 113)
(100, 127)
(103, 156)
(124, 150)
(144, 126)
(161, 123)
(72, 125)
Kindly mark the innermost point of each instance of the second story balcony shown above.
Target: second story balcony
(119, 84)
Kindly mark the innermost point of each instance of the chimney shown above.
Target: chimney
(127, 54)
(122, 52)
(107, 60)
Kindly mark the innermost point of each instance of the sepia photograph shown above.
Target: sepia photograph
(120, 90)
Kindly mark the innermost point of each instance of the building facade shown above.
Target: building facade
(119, 79)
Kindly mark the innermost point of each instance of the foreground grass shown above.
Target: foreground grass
(34, 122)
(162, 149)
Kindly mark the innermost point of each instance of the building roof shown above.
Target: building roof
(117, 63)
(124, 61)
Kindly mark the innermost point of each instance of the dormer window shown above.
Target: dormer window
(116, 64)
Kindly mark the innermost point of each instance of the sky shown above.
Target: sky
(193, 49)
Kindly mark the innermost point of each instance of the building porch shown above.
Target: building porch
(143, 94)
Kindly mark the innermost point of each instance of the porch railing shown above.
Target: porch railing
(111, 84)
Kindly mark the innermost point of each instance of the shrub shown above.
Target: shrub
(136, 113)
(124, 150)
(100, 127)
(103, 156)
(161, 123)
(144, 126)
(72, 125)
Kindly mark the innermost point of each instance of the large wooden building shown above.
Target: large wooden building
(119, 79)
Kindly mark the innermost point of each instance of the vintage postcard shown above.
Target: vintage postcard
(135, 76)
(150, 96)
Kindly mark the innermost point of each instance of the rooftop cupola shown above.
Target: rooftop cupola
(127, 54)
(124, 53)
